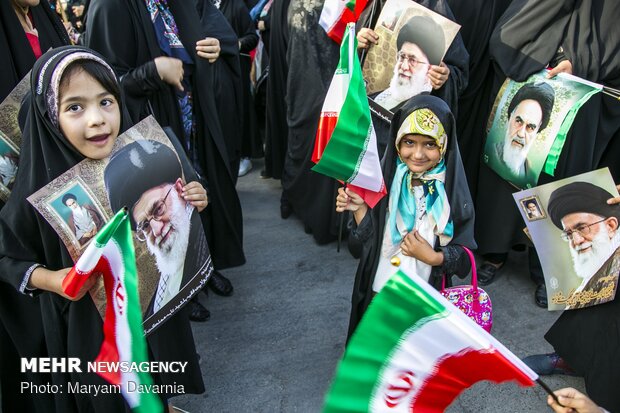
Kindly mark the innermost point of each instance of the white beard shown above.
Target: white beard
(515, 157)
(405, 89)
(170, 255)
(588, 263)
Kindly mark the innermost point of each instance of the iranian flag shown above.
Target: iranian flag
(346, 144)
(337, 13)
(111, 253)
(413, 351)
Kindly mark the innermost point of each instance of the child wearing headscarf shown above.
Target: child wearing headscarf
(76, 112)
(428, 215)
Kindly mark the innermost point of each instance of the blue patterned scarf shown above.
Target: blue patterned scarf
(169, 42)
(402, 203)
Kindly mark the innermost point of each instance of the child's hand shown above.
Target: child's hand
(350, 201)
(195, 194)
(366, 37)
(48, 280)
(414, 245)
(438, 75)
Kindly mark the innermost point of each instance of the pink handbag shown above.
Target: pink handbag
(471, 300)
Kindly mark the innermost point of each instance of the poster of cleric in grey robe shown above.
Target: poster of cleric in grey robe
(10, 136)
(576, 236)
(146, 174)
(412, 38)
(528, 125)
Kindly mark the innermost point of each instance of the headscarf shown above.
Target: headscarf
(45, 154)
(461, 212)
(402, 202)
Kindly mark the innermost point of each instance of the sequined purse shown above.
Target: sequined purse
(470, 299)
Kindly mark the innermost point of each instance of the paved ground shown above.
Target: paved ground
(274, 345)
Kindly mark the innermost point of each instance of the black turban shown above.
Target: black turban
(68, 197)
(580, 197)
(136, 168)
(542, 93)
(427, 34)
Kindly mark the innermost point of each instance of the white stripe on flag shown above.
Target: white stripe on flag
(330, 15)
(114, 255)
(422, 347)
(89, 258)
(367, 171)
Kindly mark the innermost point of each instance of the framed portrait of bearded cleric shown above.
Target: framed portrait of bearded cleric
(11, 136)
(412, 38)
(145, 172)
(529, 123)
(577, 237)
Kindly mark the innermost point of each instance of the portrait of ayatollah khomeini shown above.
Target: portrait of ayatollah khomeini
(420, 43)
(590, 227)
(529, 112)
(146, 177)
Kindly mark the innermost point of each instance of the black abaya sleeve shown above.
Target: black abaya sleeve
(142, 81)
(249, 40)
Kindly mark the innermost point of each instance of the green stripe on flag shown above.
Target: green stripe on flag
(349, 140)
(109, 229)
(558, 144)
(401, 307)
(149, 402)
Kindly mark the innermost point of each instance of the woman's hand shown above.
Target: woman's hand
(48, 280)
(438, 75)
(208, 48)
(366, 37)
(195, 194)
(565, 66)
(414, 245)
(573, 401)
(615, 200)
(170, 70)
(348, 200)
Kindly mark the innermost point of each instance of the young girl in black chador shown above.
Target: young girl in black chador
(427, 217)
(75, 113)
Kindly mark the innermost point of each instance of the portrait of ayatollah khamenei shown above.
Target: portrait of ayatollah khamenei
(412, 38)
(145, 173)
(577, 237)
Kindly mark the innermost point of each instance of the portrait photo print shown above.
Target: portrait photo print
(413, 38)
(528, 125)
(145, 173)
(577, 239)
(10, 136)
(9, 160)
(531, 207)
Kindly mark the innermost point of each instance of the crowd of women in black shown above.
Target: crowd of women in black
(195, 66)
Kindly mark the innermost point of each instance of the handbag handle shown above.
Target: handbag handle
(474, 272)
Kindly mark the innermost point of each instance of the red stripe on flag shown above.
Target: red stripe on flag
(336, 31)
(456, 373)
(370, 197)
(73, 282)
(327, 123)
(109, 349)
